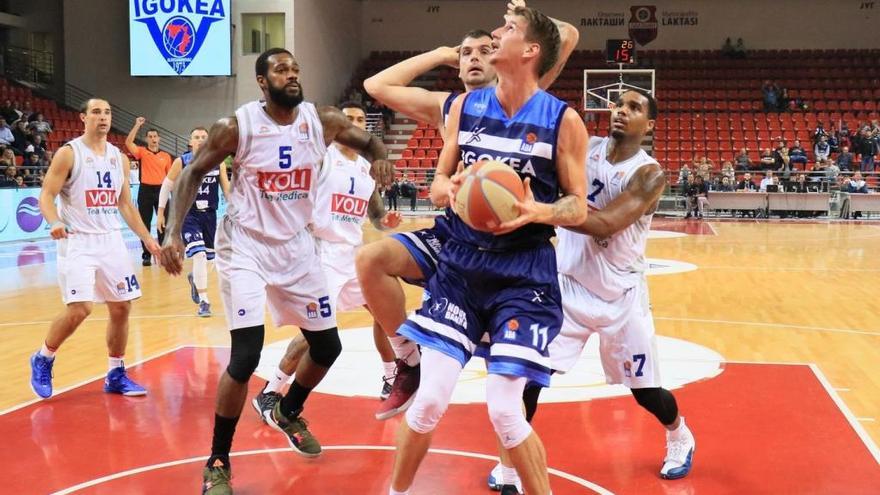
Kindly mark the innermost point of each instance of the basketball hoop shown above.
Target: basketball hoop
(602, 87)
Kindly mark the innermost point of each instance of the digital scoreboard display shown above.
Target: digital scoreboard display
(620, 52)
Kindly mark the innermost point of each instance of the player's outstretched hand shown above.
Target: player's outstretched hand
(449, 55)
(530, 211)
(512, 4)
(391, 219)
(382, 172)
(171, 254)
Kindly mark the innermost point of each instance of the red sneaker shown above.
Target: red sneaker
(403, 391)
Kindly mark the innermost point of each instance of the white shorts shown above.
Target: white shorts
(253, 270)
(337, 261)
(627, 345)
(96, 268)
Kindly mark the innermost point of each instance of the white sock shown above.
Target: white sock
(115, 362)
(678, 432)
(200, 275)
(405, 349)
(279, 379)
(392, 491)
(509, 476)
(46, 352)
(389, 369)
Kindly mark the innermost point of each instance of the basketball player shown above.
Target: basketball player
(344, 195)
(201, 219)
(507, 280)
(602, 273)
(412, 256)
(91, 175)
(264, 251)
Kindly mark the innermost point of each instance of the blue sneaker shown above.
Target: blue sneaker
(204, 309)
(193, 292)
(117, 382)
(41, 375)
(680, 447)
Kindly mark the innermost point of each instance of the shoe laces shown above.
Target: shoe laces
(677, 451)
(44, 370)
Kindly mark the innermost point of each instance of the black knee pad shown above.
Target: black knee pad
(659, 402)
(530, 400)
(245, 355)
(324, 346)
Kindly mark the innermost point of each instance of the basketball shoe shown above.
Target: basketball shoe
(215, 479)
(680, 446)
(403, 391)
(118, 382)
(296, 429)
(41, 375)
(264, 403)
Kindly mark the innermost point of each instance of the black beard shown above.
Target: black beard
(281, 97)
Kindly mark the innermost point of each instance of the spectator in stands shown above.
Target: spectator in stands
(8, 156)
(767, 159)
(392, 193)
(800, 184)
(819, 132)
(783, 100)
(728, 171)
(408, 189)
(26, 110)
(6, 136)
(857, 184)
(16, 105)
(683, 175)
(696, 196)
(743, 162)
(845, 159)
(37, 146)
(797, 155)
(844, 135)
(739, 51)
(771, 96)
(863, 144)
(7, 111)
(822, 148)
(781, 160)
(766, 181)
(39, 126)
(21, 137)
(8, 177)
(726, 185)
(34, 162)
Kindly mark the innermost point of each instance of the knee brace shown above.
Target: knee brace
(438, 377)
(503, 397)
(530, 400)
(324, 346)
(245, 354)
(659, 402)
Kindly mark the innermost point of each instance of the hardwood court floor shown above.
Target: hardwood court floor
(761, 293)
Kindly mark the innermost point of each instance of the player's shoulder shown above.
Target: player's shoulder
(595, 143)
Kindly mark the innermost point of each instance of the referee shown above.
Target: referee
(154, 166)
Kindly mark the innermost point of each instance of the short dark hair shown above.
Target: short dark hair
(542, 30)
(152, 129)
(652, 103)
(352, 104)
(477, 33)
(198, 128)
(84, 106)
(262, 64)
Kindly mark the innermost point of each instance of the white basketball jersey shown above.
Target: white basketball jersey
(276, 168)
(606, 267)
(90, 195)
(341, 198)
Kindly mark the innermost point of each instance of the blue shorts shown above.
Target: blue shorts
(424, 246)
(198, 231)
(514, 296)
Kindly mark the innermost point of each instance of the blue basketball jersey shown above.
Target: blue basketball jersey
(526, 142)
(207, 197)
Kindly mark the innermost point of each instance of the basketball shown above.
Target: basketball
(488, 196)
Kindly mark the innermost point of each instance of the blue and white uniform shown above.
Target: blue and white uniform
(200, 222)
(504, 285)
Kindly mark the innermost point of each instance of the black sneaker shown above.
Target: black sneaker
(146, 262)
(264, 403)
(509, 490)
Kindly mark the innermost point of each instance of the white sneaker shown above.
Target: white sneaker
(495, 480)
(680, 446)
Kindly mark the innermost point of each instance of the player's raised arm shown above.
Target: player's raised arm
(56, 176)
(391, 86)
(222, 142)
(446, 183)
(338, 128)
(571, 208)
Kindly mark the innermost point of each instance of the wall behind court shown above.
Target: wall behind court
(682, 24)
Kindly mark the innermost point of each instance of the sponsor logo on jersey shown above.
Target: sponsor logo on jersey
(528, 143)
(456, 315)
(303, 132)
(182, 35)
(121, 288)
(617, 178)
(100, 198)
(470, 157)
(627, 368)
(475, 135)
(263, 130)
(348, 205)
(512, 327)
(312, 310)
(294, 180)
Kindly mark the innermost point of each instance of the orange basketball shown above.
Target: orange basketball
(488, 196)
